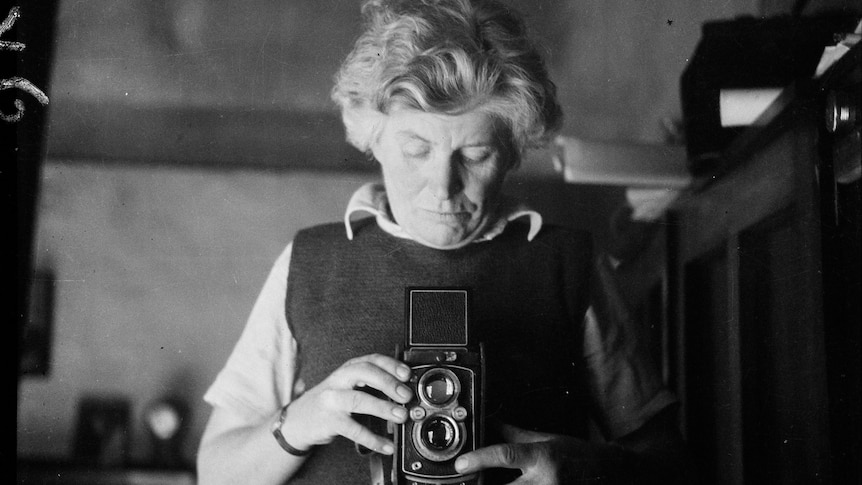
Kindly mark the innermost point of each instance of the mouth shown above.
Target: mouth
(448, 216)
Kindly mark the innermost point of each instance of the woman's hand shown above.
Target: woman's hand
(547, 459)
(324, 411)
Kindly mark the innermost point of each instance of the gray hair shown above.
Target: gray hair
(448, 57)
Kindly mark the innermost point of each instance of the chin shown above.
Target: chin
(444, 239)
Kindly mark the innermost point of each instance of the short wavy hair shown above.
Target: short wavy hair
(449, 57)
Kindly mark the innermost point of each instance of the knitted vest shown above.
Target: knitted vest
(346, 299)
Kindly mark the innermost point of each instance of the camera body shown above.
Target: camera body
(446, 412)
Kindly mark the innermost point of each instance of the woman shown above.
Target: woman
(446, 96)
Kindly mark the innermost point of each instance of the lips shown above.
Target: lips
(447, 215)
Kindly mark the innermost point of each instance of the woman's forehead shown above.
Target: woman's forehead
(471, 127)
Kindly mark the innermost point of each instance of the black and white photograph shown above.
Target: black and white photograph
(428, 242)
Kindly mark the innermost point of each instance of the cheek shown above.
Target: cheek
(484, 188)
(401, 183)
(399, 177)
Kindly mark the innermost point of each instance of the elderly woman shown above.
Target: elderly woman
(446, 96)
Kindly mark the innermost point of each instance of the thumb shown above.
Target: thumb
(495, 456)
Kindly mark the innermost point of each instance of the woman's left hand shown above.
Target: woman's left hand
(545, 459)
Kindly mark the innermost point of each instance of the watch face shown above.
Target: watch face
(163, 420)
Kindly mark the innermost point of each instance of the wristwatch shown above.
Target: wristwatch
(276, 431)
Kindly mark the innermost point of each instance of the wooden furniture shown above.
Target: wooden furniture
(751, 291)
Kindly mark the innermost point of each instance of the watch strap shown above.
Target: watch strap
(276, 431)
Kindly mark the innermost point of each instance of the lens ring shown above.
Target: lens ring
(438, 438)
(439, 387)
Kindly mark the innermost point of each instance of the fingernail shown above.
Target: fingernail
(400, 413)
(404, 392)
(403, 372)
(461, 464)
(387, 449)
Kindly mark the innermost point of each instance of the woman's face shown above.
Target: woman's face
(442, 173)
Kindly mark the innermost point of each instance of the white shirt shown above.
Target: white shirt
(260, 374)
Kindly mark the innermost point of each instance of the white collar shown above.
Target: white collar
(371, 198)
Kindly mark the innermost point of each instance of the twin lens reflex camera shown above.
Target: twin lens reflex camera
(445, 414)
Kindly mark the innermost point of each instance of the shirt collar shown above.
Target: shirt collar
(371, 198)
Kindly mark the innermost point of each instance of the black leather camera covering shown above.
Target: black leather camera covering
(436, 317)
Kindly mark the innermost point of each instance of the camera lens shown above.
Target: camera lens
(439, 387)
(438, 433)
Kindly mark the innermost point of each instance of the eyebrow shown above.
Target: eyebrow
(410, 134)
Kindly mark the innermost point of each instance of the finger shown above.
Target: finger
(361, 435)
(361, 374)
(357, 402)
(388, 364)
(496, 456)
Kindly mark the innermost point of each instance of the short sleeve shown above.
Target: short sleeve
(260, 373)
(626, 388)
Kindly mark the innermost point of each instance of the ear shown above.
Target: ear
(506, 142)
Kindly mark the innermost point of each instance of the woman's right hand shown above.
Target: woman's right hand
(324, 411)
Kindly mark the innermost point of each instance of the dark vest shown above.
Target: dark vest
(346, 299)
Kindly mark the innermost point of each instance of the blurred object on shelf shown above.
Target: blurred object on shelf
(743, 54)
(742, 107)
(166, 420)
(654, 176)
(629, 164)
(103, 434)
(843, 43)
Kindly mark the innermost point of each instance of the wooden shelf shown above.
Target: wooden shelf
(49, 472)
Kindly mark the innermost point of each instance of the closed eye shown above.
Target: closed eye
(476, 154)
(415, 149)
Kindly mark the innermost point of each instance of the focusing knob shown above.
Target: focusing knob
(417, 413)
(459, 413)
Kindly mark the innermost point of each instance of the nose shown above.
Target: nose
(443, 177)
